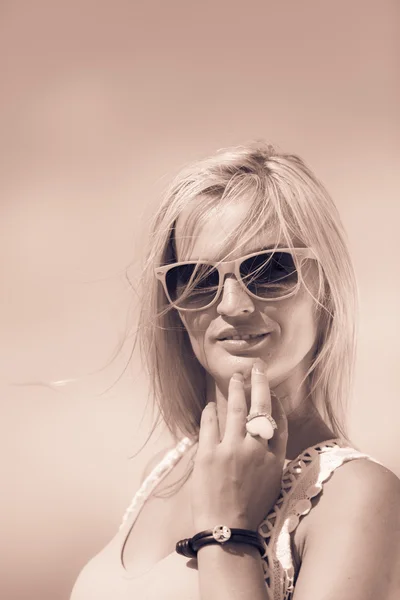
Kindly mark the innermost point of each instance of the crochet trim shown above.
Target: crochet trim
(156, 475)
(302, 481)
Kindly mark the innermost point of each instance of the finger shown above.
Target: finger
(209, 435)
(260, 392)
(235, 426)
(260, 403)
(278, 443)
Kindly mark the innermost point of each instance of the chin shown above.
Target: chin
(278, 369)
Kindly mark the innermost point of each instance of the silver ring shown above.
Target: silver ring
(262, 414)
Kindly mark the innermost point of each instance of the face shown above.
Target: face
(289, 325)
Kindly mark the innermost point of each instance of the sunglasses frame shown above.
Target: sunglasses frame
(232, 267)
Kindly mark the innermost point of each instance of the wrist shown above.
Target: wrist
(221, 535)
(236, 548)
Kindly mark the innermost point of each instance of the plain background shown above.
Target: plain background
(101, 104)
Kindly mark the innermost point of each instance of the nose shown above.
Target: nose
(234, 300)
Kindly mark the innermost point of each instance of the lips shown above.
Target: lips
(245, 346)
(232, 333)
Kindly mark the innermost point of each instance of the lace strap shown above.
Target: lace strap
(155, 476)
(302, 481)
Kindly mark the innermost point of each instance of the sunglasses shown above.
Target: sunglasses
(265, 275)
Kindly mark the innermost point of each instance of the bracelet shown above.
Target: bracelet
(219, 535)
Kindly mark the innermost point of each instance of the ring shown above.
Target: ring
(263, 428)
(252, 416)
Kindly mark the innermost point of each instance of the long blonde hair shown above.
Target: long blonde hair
(282, 190)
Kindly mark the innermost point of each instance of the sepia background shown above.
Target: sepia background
(101, 103)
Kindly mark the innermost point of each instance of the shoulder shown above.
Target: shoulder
(361, 480)
(352, 535)
(357, 489)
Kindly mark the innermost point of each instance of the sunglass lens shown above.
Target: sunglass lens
(192, 285)
(269, 275)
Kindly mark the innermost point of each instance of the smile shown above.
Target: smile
(243, 337)
(244, 343)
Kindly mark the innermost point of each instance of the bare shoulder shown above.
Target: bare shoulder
(357, 485)
(352, 536)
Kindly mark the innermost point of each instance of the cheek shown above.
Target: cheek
(297, 325)
(196, 326)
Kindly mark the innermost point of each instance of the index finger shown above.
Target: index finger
(209, 434)
(235, 424)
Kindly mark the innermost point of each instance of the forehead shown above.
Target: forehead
(208, 241)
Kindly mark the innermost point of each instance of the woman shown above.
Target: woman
(248, 331)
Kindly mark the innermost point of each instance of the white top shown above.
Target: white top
(104, 576)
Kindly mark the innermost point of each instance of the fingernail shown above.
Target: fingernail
(259, 367)
(238, 377)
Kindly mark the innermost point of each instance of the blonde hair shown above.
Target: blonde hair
(283, 192)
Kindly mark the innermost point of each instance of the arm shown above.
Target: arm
(234, 573)
(235, 482)
(352, 548)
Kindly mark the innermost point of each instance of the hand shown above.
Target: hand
(236, 480)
